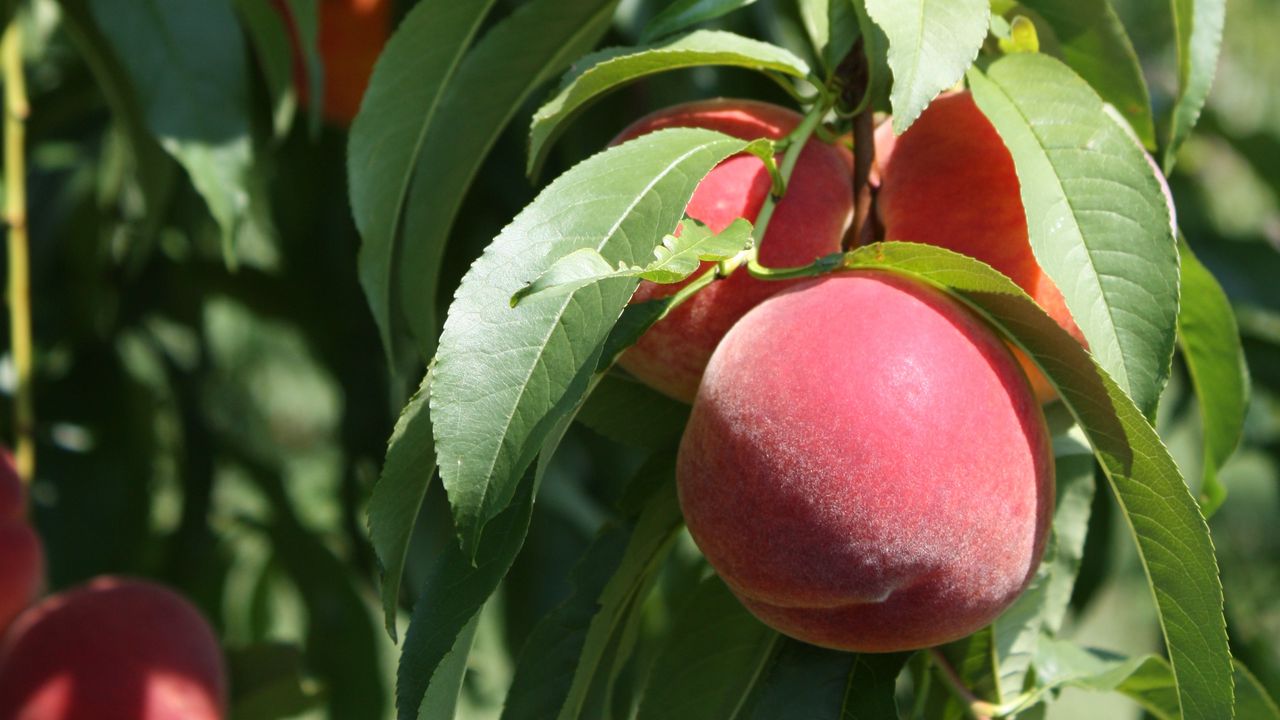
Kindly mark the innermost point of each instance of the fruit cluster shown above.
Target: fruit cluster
(112, 649)
(867, 465)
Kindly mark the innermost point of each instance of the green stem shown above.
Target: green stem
(795, 143)
(15, 191)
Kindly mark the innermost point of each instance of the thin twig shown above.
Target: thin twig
(978, 708)
(15, 191)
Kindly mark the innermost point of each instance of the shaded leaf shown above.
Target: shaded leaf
(1171, 535)
(397, 496)
(629, 412)
(610, 69)
(185, 60)
(832, 26)
(714, 658)
(1253, 702)
(683, 14)
(1093, 42)
(1197, 25)
(870, 691)
(520, 54)
(1096, 213)
(568, 650)
(389, 134)
(931, 44)
(1210, 342)
(504, 376)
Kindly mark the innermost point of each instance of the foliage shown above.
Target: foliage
(234, 303)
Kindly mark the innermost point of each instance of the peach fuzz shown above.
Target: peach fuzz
(808, 223)
(113, 649)
(21, 554)
(950, 181)
(866, 466)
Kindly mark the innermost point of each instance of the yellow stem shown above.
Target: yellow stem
(15, 191)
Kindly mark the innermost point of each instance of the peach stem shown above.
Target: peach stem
(15, 190)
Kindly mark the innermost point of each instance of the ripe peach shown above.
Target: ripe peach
(21, 554)
(808, 223)
(351, 36)
(866, 466)
(113, 649)
(950, 181)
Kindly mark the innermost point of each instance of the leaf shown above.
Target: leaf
(268, 681)
(504, 376)
(832, 26)
(610, 69)
(185, 60)
(870, 692)
(716, 654)
(678, 257)
(520, 54)
(1093, 42)
(804, 681)
(1147, 678)
(563, 657)
(1171, 535)
(876, 48)
(272, 30)
(1210, 342)
(628, 412)
(1096, 213)
(1042, 606)
(1253, 702)
(683, 14)
(1198, 27)
(397, 496)
(931, 44)
(388, 135)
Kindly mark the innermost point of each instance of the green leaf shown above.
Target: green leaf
(803, 681)
(504, 376)
(268, 681)
(444, 619)
(631, 413)
(1042, 606)
(1253, 702)
(715, 656)
(1091, 40)
(568, 651)
(876, 48)
(1210, 342)
(610, 69)
(1147, 678)
(931, 44)
(275, 31)
(678, 257)
(389, 134)
(520, 54)
(1171, 535)
(397, 496)
(185, 60)
(1096, 212)
(869, 694)
(683, 14)
(1198, 27)
(832, 26)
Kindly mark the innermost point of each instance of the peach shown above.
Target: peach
(114, 649)
(21, 554)
(351, 36)
(949, 181)
(866, 466)
(808, 223)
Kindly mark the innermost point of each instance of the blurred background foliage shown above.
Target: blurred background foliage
(213, 402)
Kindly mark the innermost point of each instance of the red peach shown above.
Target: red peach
(950, 181)
(866, 466)
(808, 223)
(351, 36)
(21, 554)
(114, 649)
